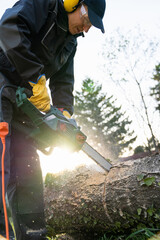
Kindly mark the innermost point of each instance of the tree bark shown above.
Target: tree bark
(87, 203)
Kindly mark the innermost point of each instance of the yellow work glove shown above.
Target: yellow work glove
(40, 98)
(66, 114)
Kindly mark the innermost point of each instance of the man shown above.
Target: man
(38, 40)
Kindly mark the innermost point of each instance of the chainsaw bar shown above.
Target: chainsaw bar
(97, 157)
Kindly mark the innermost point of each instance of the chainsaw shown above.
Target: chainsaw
(54, 129)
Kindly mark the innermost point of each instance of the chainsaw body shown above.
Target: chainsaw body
(48, 130)
(53, 129)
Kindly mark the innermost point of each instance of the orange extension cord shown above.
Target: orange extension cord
(4, 129)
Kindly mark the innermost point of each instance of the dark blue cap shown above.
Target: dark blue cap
(96, 10)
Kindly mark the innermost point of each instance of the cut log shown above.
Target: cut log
(88, 202)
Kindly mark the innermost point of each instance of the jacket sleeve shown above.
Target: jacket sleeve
(18, 26)
(62, 84)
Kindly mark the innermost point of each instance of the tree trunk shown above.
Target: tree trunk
(87, 203)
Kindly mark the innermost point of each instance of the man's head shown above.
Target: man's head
(83, 14)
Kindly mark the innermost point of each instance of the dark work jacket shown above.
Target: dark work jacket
(35, 40)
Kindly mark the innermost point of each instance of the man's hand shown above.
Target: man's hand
(66, 114)
(40, 98)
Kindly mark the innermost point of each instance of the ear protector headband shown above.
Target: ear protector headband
(71, 5)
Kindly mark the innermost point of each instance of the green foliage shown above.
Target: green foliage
(102, 121)
(138, 149)
(150, 145)
(148, 181)
(139, 210)
(147, 147)
(140, 177)
(155, 91)
(141, 234)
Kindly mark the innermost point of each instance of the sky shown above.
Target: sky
(123, 14)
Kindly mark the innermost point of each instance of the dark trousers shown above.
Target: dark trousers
(23, 181)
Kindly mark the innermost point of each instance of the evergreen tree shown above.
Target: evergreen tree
(105, 125)
(155, 91)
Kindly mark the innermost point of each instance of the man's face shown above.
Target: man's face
(78, 20)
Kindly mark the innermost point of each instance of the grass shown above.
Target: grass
(142, 234)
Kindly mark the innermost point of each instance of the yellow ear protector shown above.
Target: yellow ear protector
(71, 5)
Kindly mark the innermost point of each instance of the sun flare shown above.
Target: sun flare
(62, 159)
